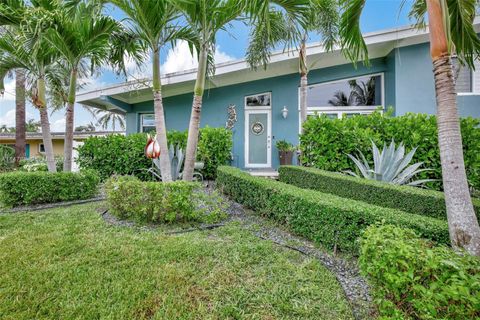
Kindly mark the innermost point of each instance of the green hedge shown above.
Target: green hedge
(124, 155)
(179, 201)
(410, 199)
(326, 142)
(412, 279)
(28, 188)
(321, 217)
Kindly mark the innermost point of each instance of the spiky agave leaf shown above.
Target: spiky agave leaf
(390, 165)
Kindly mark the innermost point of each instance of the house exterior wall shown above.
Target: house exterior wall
(408, 87)
(415, 86)
(284, 92)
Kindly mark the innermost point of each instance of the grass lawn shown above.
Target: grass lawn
(68, 263)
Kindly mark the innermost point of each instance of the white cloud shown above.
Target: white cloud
(181, 59)
(8, 118)
(58, 125)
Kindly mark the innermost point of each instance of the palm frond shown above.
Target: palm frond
(352, 42)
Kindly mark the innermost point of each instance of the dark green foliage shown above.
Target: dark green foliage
(214, 149)
(156, 202)
(7, 158)
(28, 188)
(412, 279)
(326, 142)
(409, 199)
(124, 155)
(326, 219)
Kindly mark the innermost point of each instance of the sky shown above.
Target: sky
(231, 45)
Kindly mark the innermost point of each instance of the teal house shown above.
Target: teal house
(262, 107)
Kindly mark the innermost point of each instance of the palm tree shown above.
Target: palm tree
(36, 62)
(451, 31)
(292, 27)
(80, 33)
(20, 114)
(107, 118)
(23, 48)
(153, 24)
(204, 19)
(340, 99)
(86, 128)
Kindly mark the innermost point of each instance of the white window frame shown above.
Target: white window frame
(141, 120)
(40, 148)
(472, 79)
(340, 111)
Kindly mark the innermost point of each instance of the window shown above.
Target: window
(467, 80)
(147, 122)
(41, 148)
(262, 100)
(361, 95)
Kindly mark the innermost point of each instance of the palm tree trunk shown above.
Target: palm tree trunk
(40, 102)
(462, 222)
(194, 126)
(69, 122)
(160, 126)
(20, 119)
(303, 83)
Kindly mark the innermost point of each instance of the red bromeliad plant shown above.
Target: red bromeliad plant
(152, 149)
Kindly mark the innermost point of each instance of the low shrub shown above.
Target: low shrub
(410, 199)
(412, 279)
(179, 201)
(28, 188)
(39, 164)
(326, 142)
(324, 218)
(124, 155)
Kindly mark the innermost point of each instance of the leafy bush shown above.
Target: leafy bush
(413, 200)
(414, 280)
(324, 218)
(214, 149)
(39, 164)
(179, 201)
(326, 142)
(124, 155)
(7, 158)
(283, 145)
(27, 188)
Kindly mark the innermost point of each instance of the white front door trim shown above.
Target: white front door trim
(269, 138)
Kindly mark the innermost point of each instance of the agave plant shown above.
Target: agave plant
(177, 157)
(391, 165)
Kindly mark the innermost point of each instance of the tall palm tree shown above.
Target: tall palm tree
(80, 33)
(153, 22)
(37, 62)
(204, 19)
(24, 49)
(451, 31)
(292, 28)
(20, 115)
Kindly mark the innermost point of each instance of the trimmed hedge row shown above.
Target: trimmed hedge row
(28, 188)
(326, 142)
(412, 279)
(410, 199)
(323, 218)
